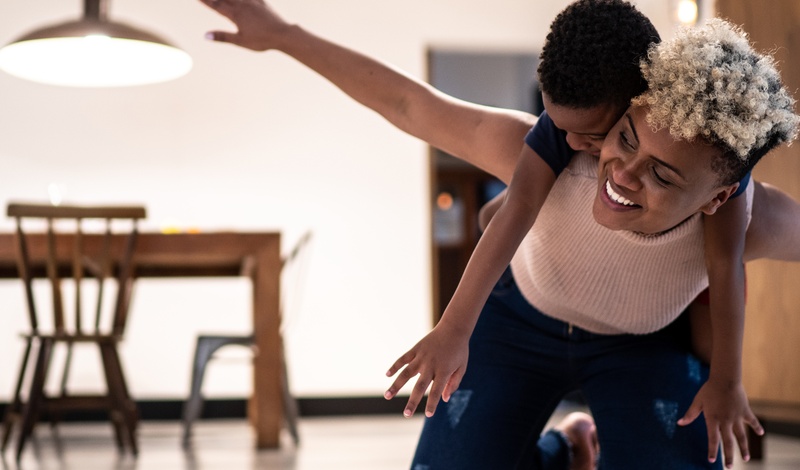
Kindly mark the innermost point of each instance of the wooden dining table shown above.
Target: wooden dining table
(255, 255)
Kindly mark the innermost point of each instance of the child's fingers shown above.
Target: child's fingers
(754, 424)
(728, 446)
(400, 363)
(713, 443)
(691, 414)
(741, 437)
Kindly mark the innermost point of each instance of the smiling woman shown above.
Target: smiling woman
(664, 180)
(583, 306)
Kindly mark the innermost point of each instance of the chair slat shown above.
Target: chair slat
(24, 268)
(105, 270)
(55, 280)
(77, 275)
(125, 283)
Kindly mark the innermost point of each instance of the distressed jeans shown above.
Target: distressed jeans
(522, 363)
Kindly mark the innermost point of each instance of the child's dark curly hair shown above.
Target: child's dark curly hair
(591, 55)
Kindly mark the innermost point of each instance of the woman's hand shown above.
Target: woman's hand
(440, 360)
(259, 26)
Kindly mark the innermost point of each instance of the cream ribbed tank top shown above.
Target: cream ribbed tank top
(605, 281)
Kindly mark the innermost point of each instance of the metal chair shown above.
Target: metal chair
(62, 255)
(292, 270)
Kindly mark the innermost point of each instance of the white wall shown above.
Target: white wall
(255, 141)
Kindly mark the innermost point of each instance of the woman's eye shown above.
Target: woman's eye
(625, 142)
(660, 179)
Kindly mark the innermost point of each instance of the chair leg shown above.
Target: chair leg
(30, 411)
(122, 404)
(116, 411)
(290, 409)
(206, 347)
(117, 419)
(56, 417)
(14, 410)
(194, 404)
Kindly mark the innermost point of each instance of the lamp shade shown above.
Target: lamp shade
(93, 52)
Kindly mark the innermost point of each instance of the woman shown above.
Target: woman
(522, 361)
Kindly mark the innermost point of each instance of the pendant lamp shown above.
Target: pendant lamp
(93, 52)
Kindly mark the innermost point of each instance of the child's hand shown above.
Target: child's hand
(440, 358)
(727, 412)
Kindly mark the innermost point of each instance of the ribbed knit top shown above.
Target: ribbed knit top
(605, 281)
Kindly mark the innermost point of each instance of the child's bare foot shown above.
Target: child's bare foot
(582, 434)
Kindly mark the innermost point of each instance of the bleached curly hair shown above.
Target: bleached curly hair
(708, 83)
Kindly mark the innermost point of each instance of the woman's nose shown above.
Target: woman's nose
(626, 175)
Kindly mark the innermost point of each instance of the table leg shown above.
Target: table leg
(266, 405)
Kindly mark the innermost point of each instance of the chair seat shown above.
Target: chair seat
(207, 345)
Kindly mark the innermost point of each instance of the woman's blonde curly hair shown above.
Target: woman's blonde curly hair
(707, 82)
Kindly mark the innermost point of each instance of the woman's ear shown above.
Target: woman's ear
(722, 195)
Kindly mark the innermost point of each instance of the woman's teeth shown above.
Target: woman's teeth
(616, 197)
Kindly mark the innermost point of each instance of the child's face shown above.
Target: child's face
(585, 127)
(649, 182)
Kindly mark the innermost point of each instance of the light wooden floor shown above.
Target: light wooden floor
(354, 443)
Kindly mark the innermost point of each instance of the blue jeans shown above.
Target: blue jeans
(522, 363)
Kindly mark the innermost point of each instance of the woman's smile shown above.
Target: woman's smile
(617, 198)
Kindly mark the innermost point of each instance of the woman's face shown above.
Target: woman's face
(585, 127)
(649, 182)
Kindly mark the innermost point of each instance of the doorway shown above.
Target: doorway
(458, 189)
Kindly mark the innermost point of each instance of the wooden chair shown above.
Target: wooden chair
(292, 269)
(59, 255)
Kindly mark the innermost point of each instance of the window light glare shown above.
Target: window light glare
(444, 201)
(687, 11)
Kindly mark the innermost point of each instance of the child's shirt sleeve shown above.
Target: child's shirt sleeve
(550, 143)
(742, 186)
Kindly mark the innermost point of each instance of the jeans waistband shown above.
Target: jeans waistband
(509, 292)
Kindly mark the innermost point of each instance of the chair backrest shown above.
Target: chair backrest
(66, 250)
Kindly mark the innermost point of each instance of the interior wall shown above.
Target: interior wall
(252, 141)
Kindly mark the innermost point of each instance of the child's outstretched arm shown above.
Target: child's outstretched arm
(722, 399)
(440, 358)
(484, 136)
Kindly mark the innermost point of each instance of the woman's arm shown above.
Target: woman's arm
(486, 137)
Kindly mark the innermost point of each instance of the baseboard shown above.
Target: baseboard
(166, 410)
